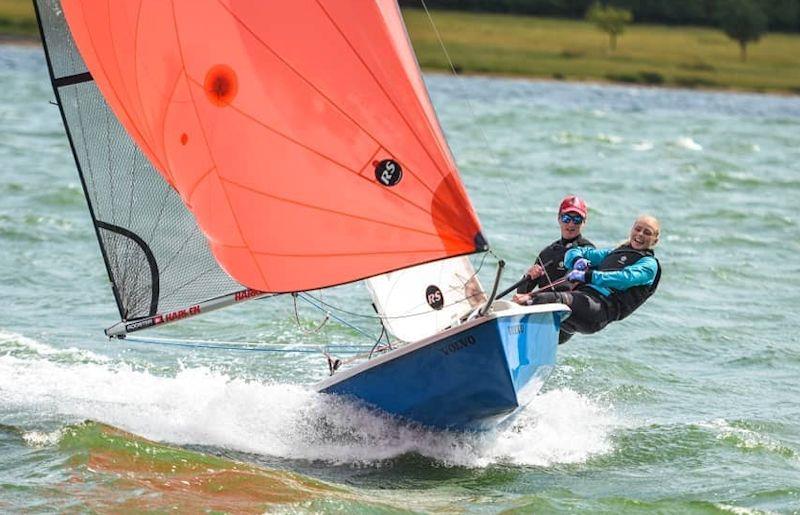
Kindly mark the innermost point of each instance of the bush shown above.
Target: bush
(651, 77)
(623, 77)
(694, 82)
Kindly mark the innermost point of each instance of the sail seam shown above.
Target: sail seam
(211, 156)
(349, 254)
(190, 191)
(358, 174)
(327, 210)
(370, 160)
(386, 94)
(323, 95)
(121, 105)
(169, 104)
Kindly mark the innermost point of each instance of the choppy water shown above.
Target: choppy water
(691, 405)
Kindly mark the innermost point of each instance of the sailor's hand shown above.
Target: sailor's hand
(577, 276)
(535, 271)
(521, 298)
(581, 264)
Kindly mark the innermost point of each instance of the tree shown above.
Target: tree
(609, 19)
(742, 21)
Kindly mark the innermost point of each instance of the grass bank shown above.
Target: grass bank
(576, 50)
(17, 19)
(570, 50)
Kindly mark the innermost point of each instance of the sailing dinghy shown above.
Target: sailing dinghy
(235, 149)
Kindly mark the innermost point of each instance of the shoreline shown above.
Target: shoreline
(27, 41)
(601, 82)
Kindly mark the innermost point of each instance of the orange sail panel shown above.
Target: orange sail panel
(299, 134)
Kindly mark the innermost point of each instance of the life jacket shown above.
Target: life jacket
(628, 300)
(552, 259)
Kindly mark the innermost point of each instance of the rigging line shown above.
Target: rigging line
(321, 93)
(306, 297)
(459, 81)
(181, 286)
(297, 318)
(379, 84)
(198, 344)
(381, 317)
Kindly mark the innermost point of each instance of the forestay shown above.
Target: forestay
(420, 301)
(299, 134)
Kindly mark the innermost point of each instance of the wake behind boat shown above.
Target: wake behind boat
(231, 151)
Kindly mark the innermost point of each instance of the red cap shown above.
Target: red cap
(573, 203)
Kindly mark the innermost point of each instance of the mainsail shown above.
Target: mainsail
(299, 134)
(157, 259)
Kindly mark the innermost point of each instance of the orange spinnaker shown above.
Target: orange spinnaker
(299, 133)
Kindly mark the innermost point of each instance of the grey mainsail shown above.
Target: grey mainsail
(157, 259)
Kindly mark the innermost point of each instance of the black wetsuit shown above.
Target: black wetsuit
(551, 258)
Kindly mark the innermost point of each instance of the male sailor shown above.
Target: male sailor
(610, 283)
(549, 264)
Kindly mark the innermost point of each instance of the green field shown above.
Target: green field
(573, 50)
(17, 18)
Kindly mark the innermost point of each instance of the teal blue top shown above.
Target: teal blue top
(642, 272)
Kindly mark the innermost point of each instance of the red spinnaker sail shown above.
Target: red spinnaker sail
(299, 133)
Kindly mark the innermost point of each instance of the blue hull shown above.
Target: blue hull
(469, 377)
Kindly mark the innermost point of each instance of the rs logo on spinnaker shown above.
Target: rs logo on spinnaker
(388, 172)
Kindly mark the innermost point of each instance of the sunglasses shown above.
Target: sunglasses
(567, 218)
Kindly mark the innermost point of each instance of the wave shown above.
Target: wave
(200, 406)
(112, 470)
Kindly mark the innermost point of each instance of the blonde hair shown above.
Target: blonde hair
(650, 220)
